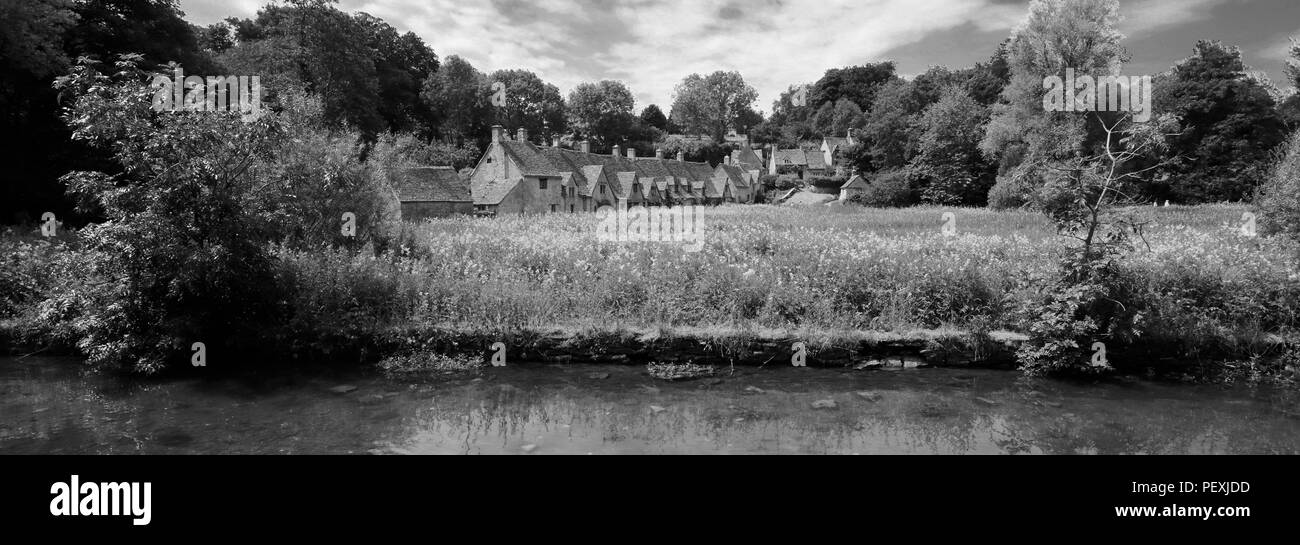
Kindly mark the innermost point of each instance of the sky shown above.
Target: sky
(651, 45)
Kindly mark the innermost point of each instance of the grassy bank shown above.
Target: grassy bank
(1205, 291)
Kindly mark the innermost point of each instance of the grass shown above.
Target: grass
(815, 268)
(1201, 286)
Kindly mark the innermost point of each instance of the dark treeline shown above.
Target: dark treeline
(944, 136)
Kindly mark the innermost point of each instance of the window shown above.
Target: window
(571, 190)
(571, 208)
(553, 208)
(602, 190)
(541, 183)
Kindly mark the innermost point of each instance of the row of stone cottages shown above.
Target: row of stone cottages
(516, 176)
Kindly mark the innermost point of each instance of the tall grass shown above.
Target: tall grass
(835, 268)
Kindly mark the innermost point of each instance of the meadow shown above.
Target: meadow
(1200, 285)
(1198, 279)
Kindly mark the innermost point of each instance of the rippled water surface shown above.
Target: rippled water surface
(50, 405)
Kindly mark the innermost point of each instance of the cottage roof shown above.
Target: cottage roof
(856, 181)
(790, 157)
(429, 184)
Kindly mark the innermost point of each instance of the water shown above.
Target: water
(50, 405)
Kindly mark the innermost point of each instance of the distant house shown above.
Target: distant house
(516, 176)
(430, 192)
(857, 185)
(833, 152)
(802, 163)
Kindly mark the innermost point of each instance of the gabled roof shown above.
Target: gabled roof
(716, 188)
(735, 174)
(530, 159)
(815, 160)
(748, 156)
(429, 184)
(790, 157)
(855, 181)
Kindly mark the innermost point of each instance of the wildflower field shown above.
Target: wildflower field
(1200, 280)
(1198, 283)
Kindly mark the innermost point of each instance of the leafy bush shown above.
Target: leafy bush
(1278, 201)
(1007, 194)
(891, 188)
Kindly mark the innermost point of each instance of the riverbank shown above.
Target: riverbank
(1205, 299)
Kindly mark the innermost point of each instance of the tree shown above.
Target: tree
(1089, 198)
(858, 84)
(31, 54)
(457, 96)
(709, 105)
(154, 29)
(1232, 127)
(402, 63)
(889, 140)
(949, 164)
(602, 111)
(1056, 35)
(322, 50)
(530, 103)
(654, 117)
(182, 258)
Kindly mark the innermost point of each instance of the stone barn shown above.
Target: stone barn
(431, 192)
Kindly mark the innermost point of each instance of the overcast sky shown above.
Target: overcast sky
(652, 44)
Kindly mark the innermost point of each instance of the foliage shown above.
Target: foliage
(179, 259)
(948, 165)
(654, 117)
(890, 188)
(1278, 202)
(458, 97)
(531, 104)
(1056, 35)
(602, 112)
(709, 105)
(1232, 127)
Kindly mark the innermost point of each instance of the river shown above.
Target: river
(53, 406)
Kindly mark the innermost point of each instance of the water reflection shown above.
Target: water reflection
(51, 406)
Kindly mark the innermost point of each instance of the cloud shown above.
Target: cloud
(1150, 16)
(652, 44)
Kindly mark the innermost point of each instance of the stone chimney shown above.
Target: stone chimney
(497, 132)
(555, 141)
(522, 135)
(617, 151)
(681, 156)
(585, 146)
(659, 153)
(726, 160)
(631, 153)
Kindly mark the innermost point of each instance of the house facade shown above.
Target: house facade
(857, 185)
(516, 176)
(833, 149)
(430, 192)
(803, 164)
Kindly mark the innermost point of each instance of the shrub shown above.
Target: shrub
(890, 189)
(1007, 193)
(1278, 201)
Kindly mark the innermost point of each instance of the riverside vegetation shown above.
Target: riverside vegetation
(224, 231)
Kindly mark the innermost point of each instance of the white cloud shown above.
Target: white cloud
(1150, 16)
(652, 44)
